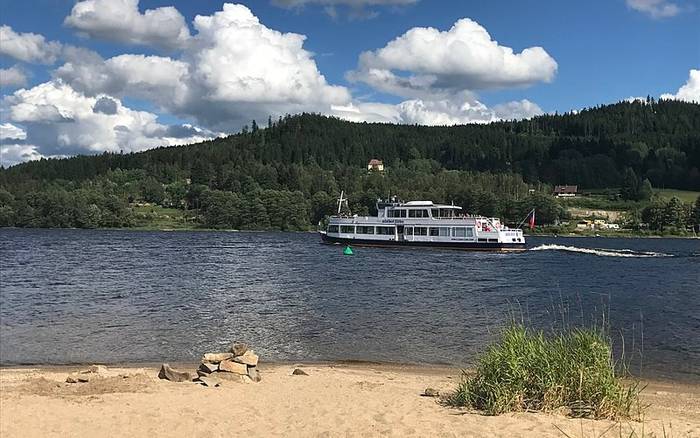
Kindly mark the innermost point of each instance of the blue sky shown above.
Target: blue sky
(592, 53)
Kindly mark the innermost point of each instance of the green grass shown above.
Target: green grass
(527, 371)
(686, 196)
(161, 218)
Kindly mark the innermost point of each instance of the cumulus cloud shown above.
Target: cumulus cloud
(12, 77)
(121, 20)
(11, 154)
(234, 69)
(161, 80)
(28, 47)
(62, 121)
(442, 112)
(462, 58)
(655, 8)
(12, 132)
(690, 92)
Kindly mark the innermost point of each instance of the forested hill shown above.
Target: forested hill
(288, 175)
(593, 148)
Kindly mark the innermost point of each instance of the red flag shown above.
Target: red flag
(532, 219)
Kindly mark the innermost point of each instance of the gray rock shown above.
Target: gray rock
(71, 379)
(233, 367)
(248, 358)
(299, 372)
(209, 367)
(238, 348)
(431, 392)
(168, 373)
(254, 374)
(216, 357)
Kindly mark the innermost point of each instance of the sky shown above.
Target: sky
(88, 76)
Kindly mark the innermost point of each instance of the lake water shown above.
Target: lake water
(76, 296)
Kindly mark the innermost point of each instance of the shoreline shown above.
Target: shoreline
(621, 235)
(418, 368)
(349, 399)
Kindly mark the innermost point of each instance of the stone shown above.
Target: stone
(209, 367)
(168, 373)
(233, 367)
(71, 379)
(431, 392)
(231, 377)
(211, 382)
(248, 358)
(201, 373)
(238, 348)
(254, 374)
(216, 357)
(299, 372)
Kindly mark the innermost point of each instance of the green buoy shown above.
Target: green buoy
(347, 250)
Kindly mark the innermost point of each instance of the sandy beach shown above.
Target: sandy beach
(333, 400)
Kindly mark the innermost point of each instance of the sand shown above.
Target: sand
(333, 400)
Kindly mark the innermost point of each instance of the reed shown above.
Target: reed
(527, 370)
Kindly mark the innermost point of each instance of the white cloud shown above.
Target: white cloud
(690, 92)
(161, 80)
(446, 112)
(28, 47)
(11, 154)
(12, 77)
(121, 20)
(462, 58)
(655, 8)
(10, 131)
(235, 69)
(61, 121)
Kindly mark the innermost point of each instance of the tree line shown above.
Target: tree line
(288, 174)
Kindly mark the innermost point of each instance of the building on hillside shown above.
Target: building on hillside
(565, 191)
(375, 164)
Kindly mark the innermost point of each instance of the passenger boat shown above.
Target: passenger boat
(421, 224)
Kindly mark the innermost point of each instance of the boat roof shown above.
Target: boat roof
(427, 204)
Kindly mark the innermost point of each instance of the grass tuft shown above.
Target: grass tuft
(528, 371)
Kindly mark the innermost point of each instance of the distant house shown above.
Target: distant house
(375, 164)
(565, 191)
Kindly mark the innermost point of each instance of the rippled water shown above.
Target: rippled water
(130, 296)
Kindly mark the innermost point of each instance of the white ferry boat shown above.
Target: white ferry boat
(422, 223)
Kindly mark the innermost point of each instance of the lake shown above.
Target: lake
(77, 296)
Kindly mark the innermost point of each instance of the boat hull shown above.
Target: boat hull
(464, 246)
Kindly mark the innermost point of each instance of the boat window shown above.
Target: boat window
(470, 231)
(397, 213)
(350, 229)
(332, 228)
(459, 232)
(386, 231)
(435, 212)
(434, 231)
(365, 230)
(402, 213)
(445, 212)
(444, 232)
(411, 213)
(408, 231)
(420, 231)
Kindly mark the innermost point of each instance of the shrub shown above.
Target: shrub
(528, 371)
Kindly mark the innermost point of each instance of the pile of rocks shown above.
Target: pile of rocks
(239, 364)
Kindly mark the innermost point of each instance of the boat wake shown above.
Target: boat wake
(601, 252)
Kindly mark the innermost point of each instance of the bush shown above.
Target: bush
(528, 371)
